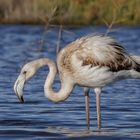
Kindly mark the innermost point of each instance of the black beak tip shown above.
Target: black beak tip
(21, 99)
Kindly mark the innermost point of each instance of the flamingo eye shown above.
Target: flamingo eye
(24, 72)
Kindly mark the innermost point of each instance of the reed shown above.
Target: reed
(70, 12)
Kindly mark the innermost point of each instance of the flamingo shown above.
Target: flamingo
(92, 61)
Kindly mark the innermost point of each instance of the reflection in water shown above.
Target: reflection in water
(39, 118)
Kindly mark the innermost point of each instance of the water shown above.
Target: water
(39, 118)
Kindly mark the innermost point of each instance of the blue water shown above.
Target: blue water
(39, 118)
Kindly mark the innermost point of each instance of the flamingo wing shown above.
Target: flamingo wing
(104, 51)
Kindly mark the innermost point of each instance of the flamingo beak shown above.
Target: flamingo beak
(19, 86)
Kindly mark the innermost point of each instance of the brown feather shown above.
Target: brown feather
(121, 60)
(114, 55)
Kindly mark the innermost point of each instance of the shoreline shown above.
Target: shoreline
(70, 12)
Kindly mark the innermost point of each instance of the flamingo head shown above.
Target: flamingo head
(26, 73)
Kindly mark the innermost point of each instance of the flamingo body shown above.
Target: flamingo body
(92, 61)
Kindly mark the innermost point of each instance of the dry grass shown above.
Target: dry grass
(73, 12)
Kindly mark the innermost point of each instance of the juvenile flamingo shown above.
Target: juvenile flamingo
(92, 61)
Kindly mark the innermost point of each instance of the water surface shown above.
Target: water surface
(39, 118)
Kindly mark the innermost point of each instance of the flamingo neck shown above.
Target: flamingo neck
(66, 83)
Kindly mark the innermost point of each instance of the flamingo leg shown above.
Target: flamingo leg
(98, 92)
(86, 91)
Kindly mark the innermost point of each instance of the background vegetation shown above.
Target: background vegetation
(70, 12)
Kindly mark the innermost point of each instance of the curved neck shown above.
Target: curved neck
(66, 83)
